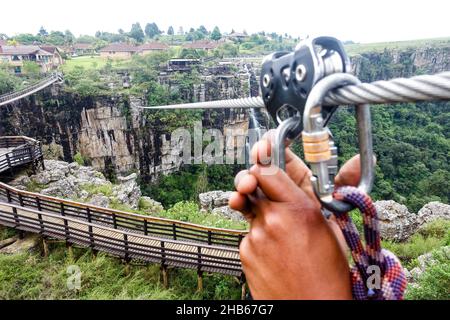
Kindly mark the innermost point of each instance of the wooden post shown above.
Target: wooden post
(127, 267)
(199, 281)
(45, 247)
(69, 251)
(243, 287)
(165, 276)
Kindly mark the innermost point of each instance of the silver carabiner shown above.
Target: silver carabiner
(320, 150)
(316, 142)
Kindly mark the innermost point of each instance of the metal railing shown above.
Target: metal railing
(124, 234)
(123, 243)
(20, 150)
(121, 220)
(29, 90)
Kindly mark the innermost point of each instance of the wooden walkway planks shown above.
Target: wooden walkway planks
(168, 252)
(18, 209)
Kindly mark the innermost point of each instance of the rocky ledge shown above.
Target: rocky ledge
(398, 224)
(80, 183)
(216, 202)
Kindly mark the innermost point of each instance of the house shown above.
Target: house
(83, 49)
(152, 47)
(15, 56)
(56, 59)
(118, 51)
(201, 45)
(236, 36)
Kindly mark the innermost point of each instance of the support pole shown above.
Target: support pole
(69, 251)
(165, 276)
(127, 267)
(45, 247)
(243, 287)
(199, 281)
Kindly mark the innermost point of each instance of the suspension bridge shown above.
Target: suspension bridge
(31, 89)
(129, 236)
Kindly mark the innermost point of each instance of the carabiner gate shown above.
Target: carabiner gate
(318, 145)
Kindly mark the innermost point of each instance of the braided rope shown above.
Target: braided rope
(392, 277)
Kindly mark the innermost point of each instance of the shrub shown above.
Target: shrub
(78, 158)
(434, 283)
(439, 229)
(105, 189)
(190, 212)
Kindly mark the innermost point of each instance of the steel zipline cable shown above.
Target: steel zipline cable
(419, 88)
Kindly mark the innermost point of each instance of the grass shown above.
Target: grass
(102, 277)
(358, 48)
(105, 189)
(89, 62)
(434, 283)
(430, 237)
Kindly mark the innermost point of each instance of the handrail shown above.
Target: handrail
(118, 219)
(25, 150)
(33, 88)
(120, 242)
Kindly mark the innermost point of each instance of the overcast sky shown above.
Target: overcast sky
(360, 21)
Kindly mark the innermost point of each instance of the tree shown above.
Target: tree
(152, 30)
(57, 38)
(136, 32)
(170, 31)
(216, 35)
(31, 68)
(69, 37)
(42, 32)
(120, 31)
(202, 29)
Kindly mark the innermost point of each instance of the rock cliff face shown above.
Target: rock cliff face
(400, 63)
(112, 132)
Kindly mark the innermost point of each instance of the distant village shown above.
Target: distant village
(49, 57)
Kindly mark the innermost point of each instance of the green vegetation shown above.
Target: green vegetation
(86, 62)
(92, 189)
(33, 186)
(359, 48)
(412, 145)
(430, 237)
(186, 184)
(189, 212)
(81, 160)
(102, 277)
(434, 283)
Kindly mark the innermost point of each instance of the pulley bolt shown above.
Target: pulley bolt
(266, 80)
(300, 73)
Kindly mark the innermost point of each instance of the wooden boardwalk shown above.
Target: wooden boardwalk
(129, 236)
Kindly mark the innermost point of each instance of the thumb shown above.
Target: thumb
(350, 173)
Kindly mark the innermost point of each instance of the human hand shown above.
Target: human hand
(291, 251)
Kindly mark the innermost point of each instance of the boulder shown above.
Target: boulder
(229, 213)
(100, 200)
(213, 199)
(395, 221)
(398, 224)
(128, 191)
(432, 211)
(217, 203)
